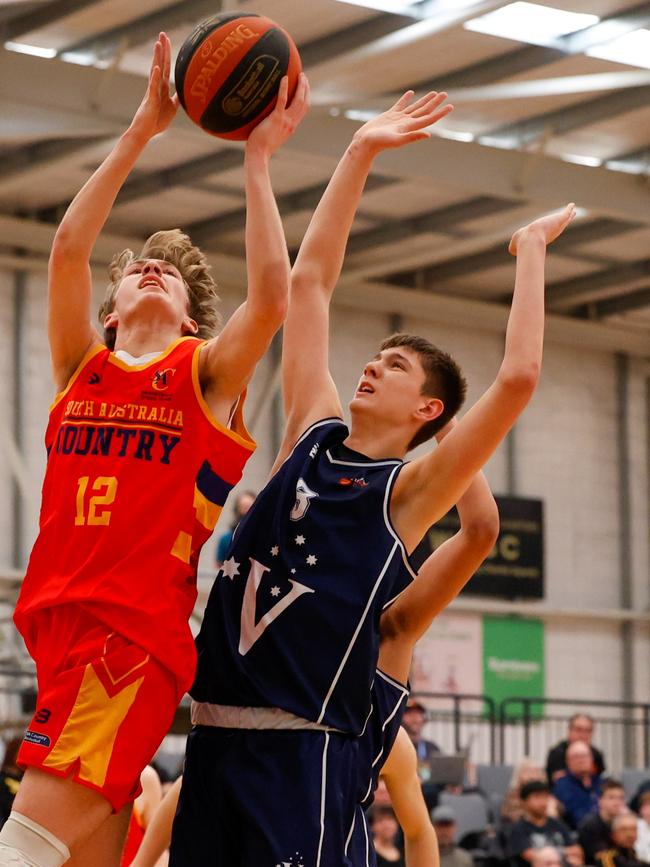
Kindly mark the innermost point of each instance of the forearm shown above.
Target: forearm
(90, 208)
(267, 259)
(158, 834)
(421, 850)
(322, 251)
(525, 331)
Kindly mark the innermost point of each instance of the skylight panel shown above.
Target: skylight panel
(632, 48)
(530, 22)
(34, 50)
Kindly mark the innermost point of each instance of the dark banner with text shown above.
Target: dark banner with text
(515, 568)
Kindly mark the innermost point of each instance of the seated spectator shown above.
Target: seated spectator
(622, 853)
(642, 847)
(579, 788)
(242, 504)
(444, 822)
(535, 830)
(547, 856)
(10, 777)
(512, 809)
(385, 829)
(414, 719)
(594, 831)
(581, 728)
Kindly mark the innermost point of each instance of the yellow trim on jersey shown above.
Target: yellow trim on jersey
(182, 547)
(244, 438)
(207, 512)
(91, 353)
(136, 367)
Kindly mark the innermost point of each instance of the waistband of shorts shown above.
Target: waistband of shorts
(262, 718)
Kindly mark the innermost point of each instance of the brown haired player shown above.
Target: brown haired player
(145, 440)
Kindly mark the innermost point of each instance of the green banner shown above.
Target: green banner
(513, 661)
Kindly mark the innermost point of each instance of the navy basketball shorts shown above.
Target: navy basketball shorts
(388, 702)
(255, 798)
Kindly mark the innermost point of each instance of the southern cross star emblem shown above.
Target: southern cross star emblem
(275, 591)
(300, 540)
(312, 559)
(230, 568)
(275, 551)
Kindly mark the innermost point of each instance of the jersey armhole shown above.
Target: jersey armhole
(391, 529)
(91, 353)
(238, 432)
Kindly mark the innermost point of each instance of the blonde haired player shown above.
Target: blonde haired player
(145, 440)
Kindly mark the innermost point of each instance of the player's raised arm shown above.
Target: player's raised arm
(228, 361)
(400, 773)
(309, 392)
(429, 486)
(69, 286)
(442, 576)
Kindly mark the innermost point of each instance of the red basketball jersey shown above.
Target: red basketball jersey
(137, 474)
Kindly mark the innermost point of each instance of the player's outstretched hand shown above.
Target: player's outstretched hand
(283, 121)
(547, 228)
(159, 107)
(404, 122)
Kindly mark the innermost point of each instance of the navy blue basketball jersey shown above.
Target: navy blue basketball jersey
(292, 621)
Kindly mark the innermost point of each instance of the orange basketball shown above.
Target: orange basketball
(228, 72)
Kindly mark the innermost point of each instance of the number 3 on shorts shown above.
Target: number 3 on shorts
(92, 513)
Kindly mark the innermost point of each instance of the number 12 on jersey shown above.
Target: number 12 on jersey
(93, 511)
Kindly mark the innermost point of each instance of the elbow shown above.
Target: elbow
(306, 280)
(483, 532)
(272, 302)
(520, 380)
(65, 247)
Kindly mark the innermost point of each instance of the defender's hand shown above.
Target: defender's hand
(546, 228)
(280, 125)
(158, 108)
(404, 122)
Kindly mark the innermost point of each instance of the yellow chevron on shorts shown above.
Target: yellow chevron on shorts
(90, 732)
(207, 512)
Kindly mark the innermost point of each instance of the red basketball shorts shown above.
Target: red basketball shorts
(103, 705)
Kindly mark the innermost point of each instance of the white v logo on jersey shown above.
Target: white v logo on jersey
(251, 631)
(303, 495)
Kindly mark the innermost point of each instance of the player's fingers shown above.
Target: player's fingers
(409, 137)
(282, 95)
(167, 55)
(155, 60)
(428, 119)
(176, 101)
(403, 101)
(300, 102)
(433, 101)
(422, 101)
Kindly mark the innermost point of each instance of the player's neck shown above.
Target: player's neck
(373, 441)
(143, 338)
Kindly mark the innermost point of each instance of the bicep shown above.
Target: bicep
(69, 329)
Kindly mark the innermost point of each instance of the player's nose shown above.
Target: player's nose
(370, 370)
(152, 265)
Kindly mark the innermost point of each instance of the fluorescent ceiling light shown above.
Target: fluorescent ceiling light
(582, 160)
(34, 50)
(362, 116)
(530, 22)
(632, 48)
(396, 6)
(454, 134)
(629, 167)
(79, 58)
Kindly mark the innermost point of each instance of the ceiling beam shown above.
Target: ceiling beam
(569, 118)
(493, 257)
(620, 303)
(36, 155)
(140, 30)
(570, 293)
(37, 19)
(203, 232)
(440, 220)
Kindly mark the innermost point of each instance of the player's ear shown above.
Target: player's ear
(430, 408)
(190, 326)
(110, 320)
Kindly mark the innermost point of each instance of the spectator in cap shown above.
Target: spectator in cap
(415, 716)
(594, 832)
(581, 728)
(536, 830)
(444, 822)
(579, 788)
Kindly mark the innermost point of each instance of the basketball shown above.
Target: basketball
(229, 69)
